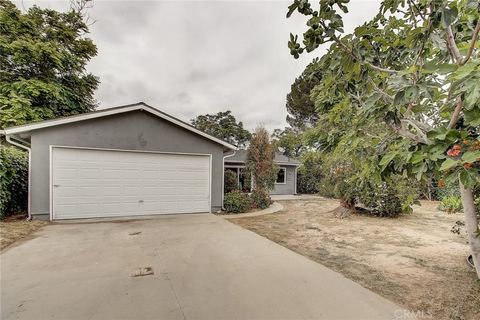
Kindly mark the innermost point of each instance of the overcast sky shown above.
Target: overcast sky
(195, 57)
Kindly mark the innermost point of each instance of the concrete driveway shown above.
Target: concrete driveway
(204, 268)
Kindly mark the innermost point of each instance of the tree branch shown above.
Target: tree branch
(421, 125)
(421, 135)
(380, 90)
(353, 55)
(407, 134)
(416, 7)
(472, 44)
(453, 46)
(379, 68)
(456, 113)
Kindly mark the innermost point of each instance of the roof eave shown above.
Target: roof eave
(141, 106)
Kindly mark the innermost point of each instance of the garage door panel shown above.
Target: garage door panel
(98, 183)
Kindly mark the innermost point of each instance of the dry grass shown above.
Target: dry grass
(15, 228)
(413, 260)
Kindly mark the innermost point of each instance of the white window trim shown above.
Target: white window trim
(284, 176)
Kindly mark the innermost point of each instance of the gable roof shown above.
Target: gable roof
(240, 156)
(140, 106)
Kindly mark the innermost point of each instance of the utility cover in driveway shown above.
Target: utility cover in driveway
(89, 183)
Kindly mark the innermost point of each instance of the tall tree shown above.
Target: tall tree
(288, 141)
(223, 125)
(260, 160)
(415, 68)
(300, 106)
(43, 55)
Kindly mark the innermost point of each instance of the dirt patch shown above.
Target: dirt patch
(413, 260)
(15, 228)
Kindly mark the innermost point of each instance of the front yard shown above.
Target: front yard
(414, 260)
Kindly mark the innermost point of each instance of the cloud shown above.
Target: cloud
(191, 58)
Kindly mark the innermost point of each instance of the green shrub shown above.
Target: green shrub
(310, 173)
(237, 202)
(230, 181)
(13, 181)
(449, 189)
(388, 198)
(260, 199)
(451, 204)
(355, 184)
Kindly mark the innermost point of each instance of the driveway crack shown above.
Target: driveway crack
(175, 294)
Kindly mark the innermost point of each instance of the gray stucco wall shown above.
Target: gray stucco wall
(289, 186)
(134, 130)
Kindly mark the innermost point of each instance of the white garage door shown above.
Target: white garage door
(104, 183)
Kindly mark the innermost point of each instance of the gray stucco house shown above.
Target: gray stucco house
(125, 161)
(286, 178)
(130, 160)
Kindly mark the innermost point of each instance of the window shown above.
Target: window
(281, 176)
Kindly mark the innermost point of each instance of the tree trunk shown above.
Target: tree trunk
(471, 224)
(347, 207)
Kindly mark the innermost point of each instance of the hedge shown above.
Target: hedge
(13, 181)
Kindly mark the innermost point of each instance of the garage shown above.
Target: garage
(92, 183)
(127, 161)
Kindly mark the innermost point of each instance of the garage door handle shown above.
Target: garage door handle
(140, 201)
(56, 185)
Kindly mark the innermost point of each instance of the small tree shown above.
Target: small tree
(259, 163)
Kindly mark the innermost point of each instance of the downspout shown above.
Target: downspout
(223, 175)
(9, 140)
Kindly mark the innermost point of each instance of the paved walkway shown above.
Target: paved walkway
(274, 207)
(279, 197)
(204, 268)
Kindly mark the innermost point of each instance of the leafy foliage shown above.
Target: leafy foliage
(43, 54)
(310, 174)
(260, 199)
(223, 125)
(451, 204)
(288, 141)
(13, 181)
(237, 202)
(230, 181)
(259, 162)
(414, 70)
(402, 69)
(343, 178)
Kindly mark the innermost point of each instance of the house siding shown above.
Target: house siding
(134, 130)
(289, 186)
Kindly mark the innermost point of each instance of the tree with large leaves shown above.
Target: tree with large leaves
(415, 69)
(43, 55)
(223, 125)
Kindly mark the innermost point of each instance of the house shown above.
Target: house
(131, 160)
(286, 182)
(126, 161)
